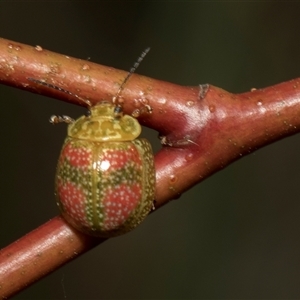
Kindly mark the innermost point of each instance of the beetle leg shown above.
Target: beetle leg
(60, 119)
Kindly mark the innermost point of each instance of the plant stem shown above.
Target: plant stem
(203, 129)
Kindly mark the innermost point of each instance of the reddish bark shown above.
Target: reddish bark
(203, 128)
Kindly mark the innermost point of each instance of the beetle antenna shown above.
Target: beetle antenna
(131, 71)
(87, 102)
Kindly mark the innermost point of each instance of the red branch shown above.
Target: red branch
(203, 129)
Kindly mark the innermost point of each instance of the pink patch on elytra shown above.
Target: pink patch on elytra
(73, 201)
(119, 157)
(77, 156)
(119, 203)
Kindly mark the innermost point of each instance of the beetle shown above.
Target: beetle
(105, 175)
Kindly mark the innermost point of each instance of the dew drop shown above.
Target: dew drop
(259, 103)
(17, 48)
(189, 157)
(85, 67)
(145, 101)
(10, 46)
(38, 48)
(190, 103)
(55, 68)
(147, 109)
(137, 103)
(162, 101)
(173, 178)
(87, 79)
(212, 108)
(136, 113)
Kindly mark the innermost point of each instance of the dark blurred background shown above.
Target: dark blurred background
(236, 235)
